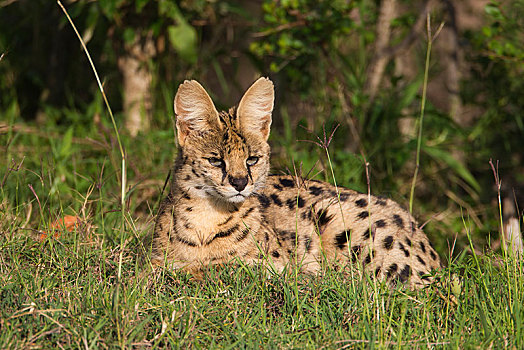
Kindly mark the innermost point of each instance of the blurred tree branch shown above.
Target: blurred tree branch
(383, 52)
(7, 2)
(375, 71)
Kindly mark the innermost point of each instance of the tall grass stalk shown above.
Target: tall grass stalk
(430, 40)
(507, 257)
(296, 268)
(369, 314)
(123, 179)
(475, 258)
(326, 149)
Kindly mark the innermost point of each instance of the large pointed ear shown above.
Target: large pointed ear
(194, 110)
(255, 107)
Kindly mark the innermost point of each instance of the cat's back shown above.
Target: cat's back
(348, 225)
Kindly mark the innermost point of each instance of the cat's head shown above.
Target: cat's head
(225, 154)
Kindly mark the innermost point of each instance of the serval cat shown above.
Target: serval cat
(224, 205)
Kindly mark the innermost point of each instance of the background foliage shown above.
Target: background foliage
(317, 52)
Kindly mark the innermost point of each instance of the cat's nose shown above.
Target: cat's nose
(239, 183)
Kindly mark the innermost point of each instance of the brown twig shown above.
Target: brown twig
(10, 169)
(282, 27)
(325, 141)
(36, 196)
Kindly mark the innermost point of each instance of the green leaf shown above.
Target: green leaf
(410, 92)
(454, 164)
(92, 18)
(183, 37)
(169, 9)
(139, 5)
(493, 11)
(129, 35)
(67, 141)
(487, 31)
(110, 7)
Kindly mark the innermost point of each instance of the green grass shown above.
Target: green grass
(65, 291)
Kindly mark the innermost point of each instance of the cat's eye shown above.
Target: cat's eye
(252, 161)
(216, 162)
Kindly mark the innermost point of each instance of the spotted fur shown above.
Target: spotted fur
(222, 204)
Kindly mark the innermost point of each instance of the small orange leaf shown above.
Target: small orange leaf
(69, 222)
